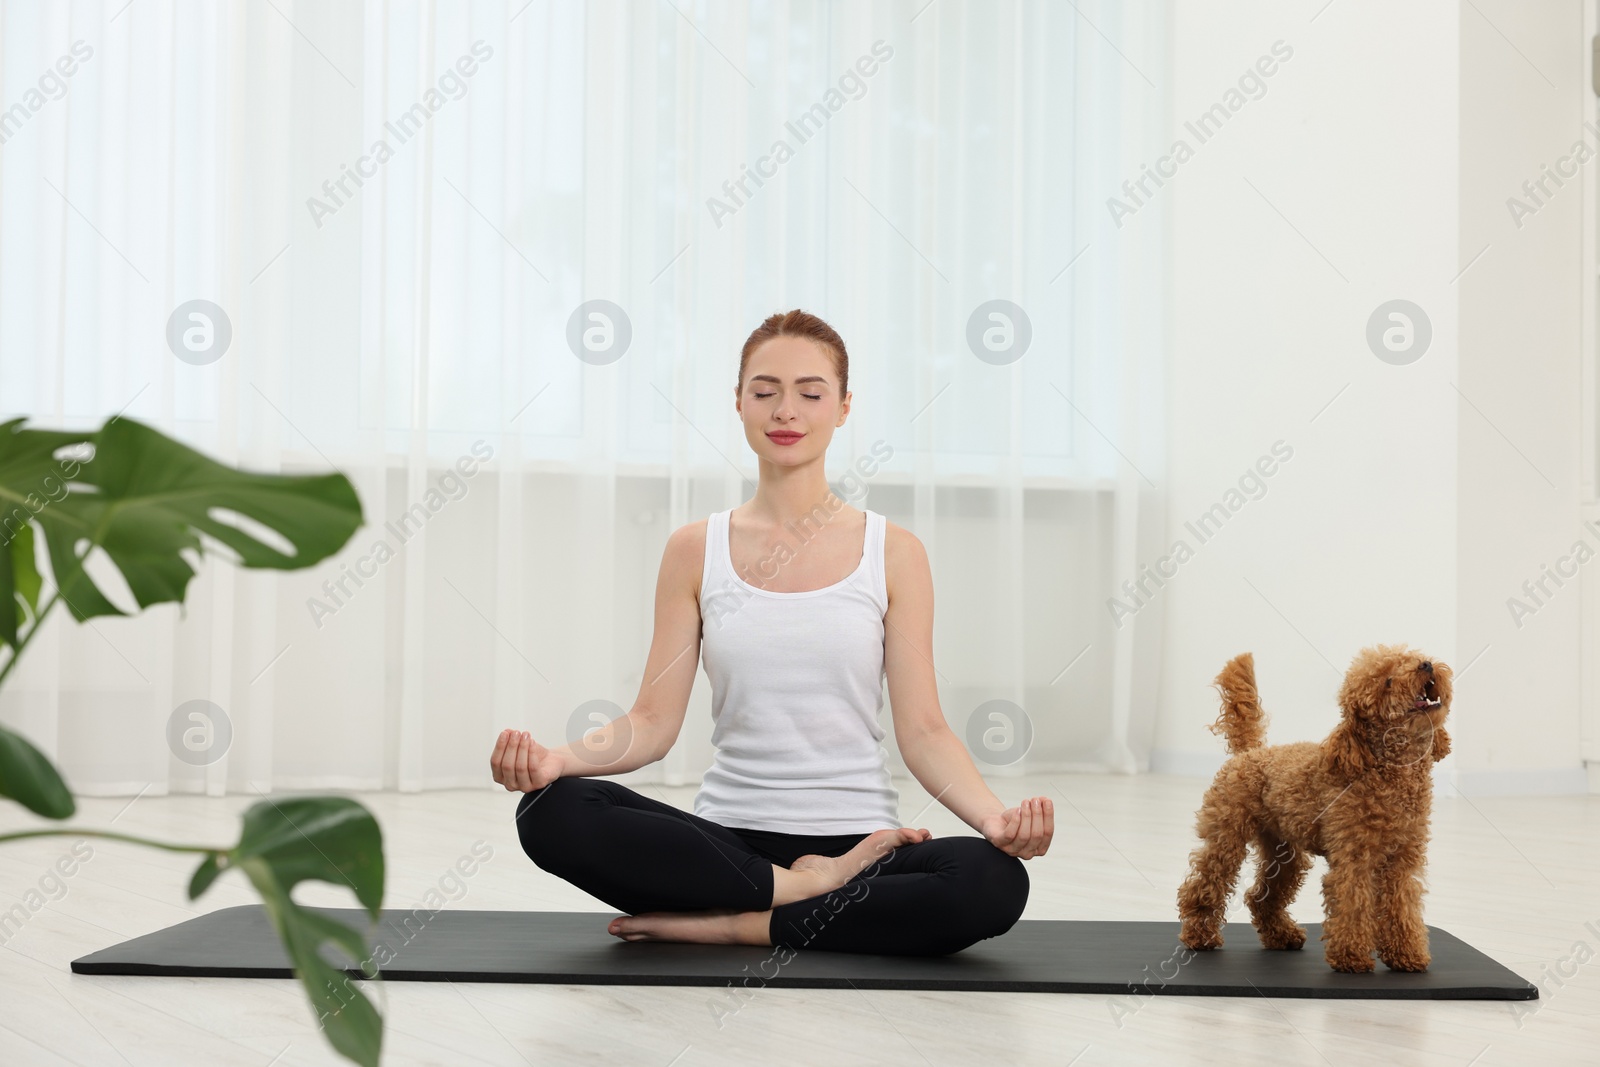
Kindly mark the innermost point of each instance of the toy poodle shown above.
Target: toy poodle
(1360, 798)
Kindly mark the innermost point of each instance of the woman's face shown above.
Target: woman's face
(791, 389)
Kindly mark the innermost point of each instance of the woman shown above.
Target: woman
(795, 837)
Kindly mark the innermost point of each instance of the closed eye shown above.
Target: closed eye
(808, 396)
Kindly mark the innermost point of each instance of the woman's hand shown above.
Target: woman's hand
(1023, 831)
(521, 763)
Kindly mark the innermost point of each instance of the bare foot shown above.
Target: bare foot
(835, 871)
(717, 927)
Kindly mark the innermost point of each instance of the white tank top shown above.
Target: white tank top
(796, 688)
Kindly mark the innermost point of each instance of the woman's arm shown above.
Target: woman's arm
(933, 753)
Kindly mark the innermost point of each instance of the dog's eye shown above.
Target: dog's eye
(1387, 682)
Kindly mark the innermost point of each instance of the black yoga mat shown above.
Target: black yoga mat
(1034, 956)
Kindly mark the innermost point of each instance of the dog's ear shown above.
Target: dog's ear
(1441, 744)
(1344, 751)
(1366, 685)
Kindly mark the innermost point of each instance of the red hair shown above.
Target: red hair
(799, 323)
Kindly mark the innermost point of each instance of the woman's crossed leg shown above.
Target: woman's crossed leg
(680, 877)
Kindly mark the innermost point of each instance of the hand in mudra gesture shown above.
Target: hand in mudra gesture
(1023, 831)
(521, 763)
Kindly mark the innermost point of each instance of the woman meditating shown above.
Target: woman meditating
(800, 606)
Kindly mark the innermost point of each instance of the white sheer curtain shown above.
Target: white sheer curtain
(412, 325)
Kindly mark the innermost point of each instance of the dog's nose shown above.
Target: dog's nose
(1428, 667)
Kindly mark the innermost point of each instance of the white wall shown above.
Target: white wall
(1386, 146)
(1518, 460)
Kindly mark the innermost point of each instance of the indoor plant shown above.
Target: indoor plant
(142, 497)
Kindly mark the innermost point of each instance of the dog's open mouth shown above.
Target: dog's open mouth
(1428, 698)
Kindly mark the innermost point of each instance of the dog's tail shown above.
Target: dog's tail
(1241, 719)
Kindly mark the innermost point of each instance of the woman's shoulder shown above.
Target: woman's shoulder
(683, 559)
(689, 540)
(905, 559)
(898, 538)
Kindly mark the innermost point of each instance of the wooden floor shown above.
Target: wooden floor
(1517, 877)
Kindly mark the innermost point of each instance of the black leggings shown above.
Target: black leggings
(930, 898)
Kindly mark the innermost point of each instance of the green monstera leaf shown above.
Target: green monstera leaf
(144, 499)
(285, 842)
(31, 479)
(28, 777)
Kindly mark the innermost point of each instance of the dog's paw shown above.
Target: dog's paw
(1285, 935)
(1200, 936)
(1350, 962)
(1407, 961)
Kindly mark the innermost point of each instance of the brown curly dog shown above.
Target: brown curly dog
(1360, 798)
